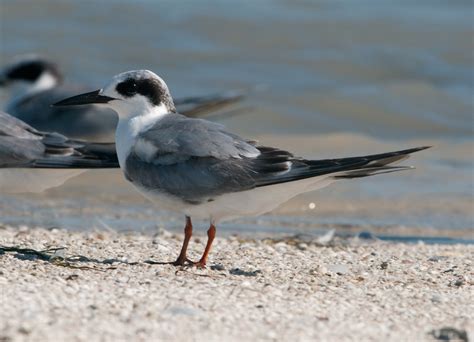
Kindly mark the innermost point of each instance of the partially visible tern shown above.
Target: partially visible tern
(34, 83)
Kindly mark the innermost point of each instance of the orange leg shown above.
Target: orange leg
(188, 232)
(211, 234)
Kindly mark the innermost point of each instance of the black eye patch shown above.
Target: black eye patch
(149, 88)
(127, 88)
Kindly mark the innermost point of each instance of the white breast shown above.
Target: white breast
(126, 135)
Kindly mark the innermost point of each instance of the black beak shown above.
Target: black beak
(83, 99)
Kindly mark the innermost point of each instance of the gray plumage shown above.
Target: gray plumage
(197, 160)
(22, 146)
(176, 134)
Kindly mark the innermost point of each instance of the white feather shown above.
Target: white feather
(128, 129)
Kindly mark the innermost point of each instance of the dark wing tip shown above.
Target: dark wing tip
(352, 167)
(421, 148)
(413, 150)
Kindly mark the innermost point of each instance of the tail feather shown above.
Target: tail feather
(375, 164)
(389, 160)
(372, 171)
(342, 168)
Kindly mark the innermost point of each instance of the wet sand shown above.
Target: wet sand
(105, 286)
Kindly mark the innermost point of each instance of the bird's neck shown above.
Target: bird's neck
(129, 128)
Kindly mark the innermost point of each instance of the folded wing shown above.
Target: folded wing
(197, 160)
(22, 146)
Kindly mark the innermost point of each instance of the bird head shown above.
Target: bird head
(130, 94)
(29, 74)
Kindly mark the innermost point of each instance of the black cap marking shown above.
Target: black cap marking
(32, 70)
(149, 88)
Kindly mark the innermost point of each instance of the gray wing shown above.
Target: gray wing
(22, 146)
(193, 159)
(197, 161)
(11, 126)
(177, 137)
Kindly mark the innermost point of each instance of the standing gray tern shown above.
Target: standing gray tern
(34, 83)
(197, 168)
(33, 161)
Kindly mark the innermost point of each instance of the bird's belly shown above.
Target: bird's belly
(254, 202)
(33, 180)
(230, 206)
(163, 199)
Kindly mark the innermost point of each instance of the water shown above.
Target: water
(336, 78)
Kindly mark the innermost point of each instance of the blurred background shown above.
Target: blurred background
(328, 79)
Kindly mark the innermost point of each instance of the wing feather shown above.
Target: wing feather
(22, 146)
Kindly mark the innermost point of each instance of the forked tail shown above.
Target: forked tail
(278, 166)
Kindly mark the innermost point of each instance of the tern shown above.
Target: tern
(34, 83)
(197, 168)
(27, 157)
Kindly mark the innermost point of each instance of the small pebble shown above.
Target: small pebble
(218, 267)
(437, 258)
(72, 277)
(338, 269)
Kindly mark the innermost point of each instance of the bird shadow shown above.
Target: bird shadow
(57, 257)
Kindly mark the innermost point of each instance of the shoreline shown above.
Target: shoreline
(107, 286)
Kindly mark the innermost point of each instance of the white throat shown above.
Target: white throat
(130, 126)
(21, 89)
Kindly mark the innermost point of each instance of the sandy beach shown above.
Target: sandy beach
(59, 285)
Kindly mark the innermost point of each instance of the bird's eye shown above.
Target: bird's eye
(127, 88)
